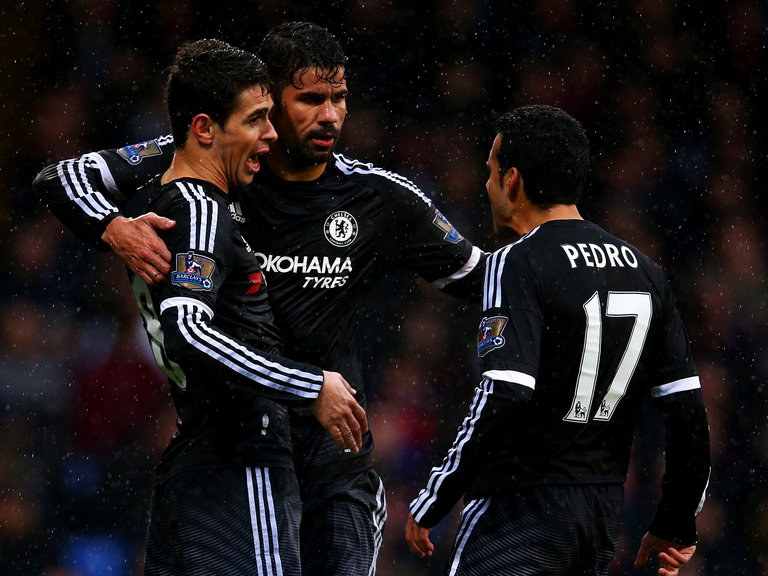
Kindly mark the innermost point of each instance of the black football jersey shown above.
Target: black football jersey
(577, 327)
(323, 245)
(211, 330)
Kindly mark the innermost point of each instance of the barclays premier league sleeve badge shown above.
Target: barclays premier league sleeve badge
(135, 153)
(451, 234)
(489, 335)
(193, 272)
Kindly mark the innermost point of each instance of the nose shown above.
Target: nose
(269, 134)
(328, 113)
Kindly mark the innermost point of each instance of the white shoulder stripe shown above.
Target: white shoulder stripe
(348, 166)
(494, 270)
(492, 289)
(203, 212)
(682, 385)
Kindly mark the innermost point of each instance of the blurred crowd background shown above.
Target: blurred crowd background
(670, 94)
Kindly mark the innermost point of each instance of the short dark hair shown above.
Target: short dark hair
(549, 148)
(207, 76)
(296, 47)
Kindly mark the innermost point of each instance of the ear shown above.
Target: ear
(511, 183)
(202, 129)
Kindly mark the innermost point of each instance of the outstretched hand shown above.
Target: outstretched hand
(338, 412)
(418, 538)
(671, 556)
(136, 241)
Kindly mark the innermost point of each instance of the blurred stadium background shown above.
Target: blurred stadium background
(671, 94)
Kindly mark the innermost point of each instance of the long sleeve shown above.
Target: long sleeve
(475, 445)
(683, 487)
(191, 340)
(87, 193)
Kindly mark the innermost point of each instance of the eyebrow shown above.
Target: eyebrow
(260, 111)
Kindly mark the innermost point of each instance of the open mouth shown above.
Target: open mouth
(252, 164)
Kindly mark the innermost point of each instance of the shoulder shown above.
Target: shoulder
(516, 251)
(386, 182)
(632, 256)
(202, 200)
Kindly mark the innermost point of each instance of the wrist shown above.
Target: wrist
(110, 222)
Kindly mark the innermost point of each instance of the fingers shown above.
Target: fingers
(353, 439)
(671, 560)
(360, 417)
(671, 557)
(352, 432)
(153, 272)
(154, 222)
(680, 556)
(348, 386)
(339, 413)
(152, 278)
(346, 439)
(418, 538)
(137, 243)
(159, 222)
(642, 555)
(416, 547)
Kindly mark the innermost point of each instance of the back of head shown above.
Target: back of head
(295, 47)
(550, 150)
(206, 77)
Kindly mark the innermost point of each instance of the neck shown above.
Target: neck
(536, 217)
(195, 163)
(285, 168)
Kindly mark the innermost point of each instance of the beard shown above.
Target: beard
(307, 153)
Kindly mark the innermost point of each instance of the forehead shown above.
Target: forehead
(312, 78)
(252, 99)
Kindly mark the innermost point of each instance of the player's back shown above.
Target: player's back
(592, 321)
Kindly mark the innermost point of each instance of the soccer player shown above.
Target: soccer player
(577, 326)
(226, 499)
(325, 228)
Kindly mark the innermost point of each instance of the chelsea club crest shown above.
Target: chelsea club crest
(340, 228)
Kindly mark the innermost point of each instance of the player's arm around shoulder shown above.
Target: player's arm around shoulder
(87, 195)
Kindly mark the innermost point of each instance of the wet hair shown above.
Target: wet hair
(297, 47)
(549, 148)
(207, 77)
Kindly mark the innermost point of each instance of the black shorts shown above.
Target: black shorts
(553, 530)
(341, 532)
(233, 521)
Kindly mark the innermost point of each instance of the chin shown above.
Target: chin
(245, 180)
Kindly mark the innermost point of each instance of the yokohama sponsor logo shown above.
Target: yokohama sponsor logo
(304, 264)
